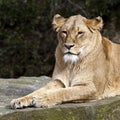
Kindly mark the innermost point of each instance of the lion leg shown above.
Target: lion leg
(29, 99)
(61, 95)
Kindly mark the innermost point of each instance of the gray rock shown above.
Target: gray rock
(108, 109)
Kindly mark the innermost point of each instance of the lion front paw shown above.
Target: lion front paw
(21, 103)
(18, 103)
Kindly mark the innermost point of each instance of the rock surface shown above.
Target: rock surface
(108, 109)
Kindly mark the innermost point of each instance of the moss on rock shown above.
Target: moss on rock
(108, 109)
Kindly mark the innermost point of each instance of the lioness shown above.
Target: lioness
(87, 65)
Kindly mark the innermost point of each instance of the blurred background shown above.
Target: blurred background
(27, 40)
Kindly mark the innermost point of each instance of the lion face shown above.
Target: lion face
(75, 35)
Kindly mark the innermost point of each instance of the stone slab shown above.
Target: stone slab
(108, 109)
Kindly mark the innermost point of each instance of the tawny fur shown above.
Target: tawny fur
(87, 65)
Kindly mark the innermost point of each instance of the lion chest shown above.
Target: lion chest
(72, 75)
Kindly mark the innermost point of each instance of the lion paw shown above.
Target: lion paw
(18, 103)
(21, 103)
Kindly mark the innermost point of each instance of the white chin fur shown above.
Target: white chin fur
(70, 58)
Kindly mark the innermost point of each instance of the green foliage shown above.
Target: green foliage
(21, 38)
(106, 8)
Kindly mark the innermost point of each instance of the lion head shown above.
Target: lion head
(77, 35)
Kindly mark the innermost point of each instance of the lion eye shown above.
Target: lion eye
(79, 33)
(64, 32)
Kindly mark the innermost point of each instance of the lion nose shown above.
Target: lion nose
(68, 46)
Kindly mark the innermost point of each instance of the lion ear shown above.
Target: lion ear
(58, 21)
(95, 24)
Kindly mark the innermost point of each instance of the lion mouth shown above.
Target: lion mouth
(70, 53)
(70, 57)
